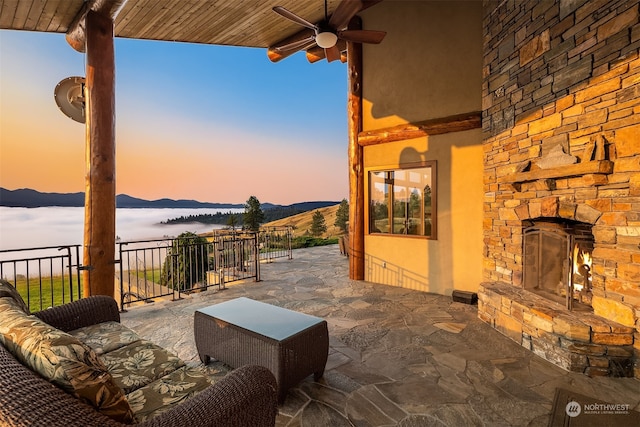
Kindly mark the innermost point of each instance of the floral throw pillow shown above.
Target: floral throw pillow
(62, 360)
(8, 291)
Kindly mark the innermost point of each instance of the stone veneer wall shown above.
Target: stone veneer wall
(564, 72)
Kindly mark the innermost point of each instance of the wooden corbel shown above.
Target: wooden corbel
(76, 35)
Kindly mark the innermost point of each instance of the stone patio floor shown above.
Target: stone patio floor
(397, 357)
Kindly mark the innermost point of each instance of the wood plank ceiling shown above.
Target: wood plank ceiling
(249, 23)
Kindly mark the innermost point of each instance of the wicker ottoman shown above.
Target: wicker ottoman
(242, 331)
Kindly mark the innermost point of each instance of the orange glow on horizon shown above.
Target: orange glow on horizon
(165, 146)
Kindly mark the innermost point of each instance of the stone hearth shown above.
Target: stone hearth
(575, 340)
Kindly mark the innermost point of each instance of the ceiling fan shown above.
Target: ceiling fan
(329, 35)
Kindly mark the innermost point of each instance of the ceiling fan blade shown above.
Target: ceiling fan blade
(297, 45)
(278, 51)
(362, 36)
(293, 17)
(275, 55)
(346, 10)
(332, 53)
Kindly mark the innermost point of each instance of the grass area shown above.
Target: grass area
(48, 291)
(308, 242)
(149, 275)
(301, 223)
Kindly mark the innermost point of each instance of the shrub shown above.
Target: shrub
(309, 241)
(187, 262)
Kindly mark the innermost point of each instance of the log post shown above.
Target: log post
(100, 183)
(356, 169)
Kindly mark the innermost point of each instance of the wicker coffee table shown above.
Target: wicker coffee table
(243, 331)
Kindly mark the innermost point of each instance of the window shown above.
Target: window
(402, 201)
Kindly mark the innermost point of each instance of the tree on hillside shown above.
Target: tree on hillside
(342, 216)
(253, 215)
(232, 221)
(318, 225)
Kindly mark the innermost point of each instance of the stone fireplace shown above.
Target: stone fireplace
(561, 106)
(550, 307)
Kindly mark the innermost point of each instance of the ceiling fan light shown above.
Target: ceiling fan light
(326, 39)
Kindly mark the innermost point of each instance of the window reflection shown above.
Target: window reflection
(402, 201)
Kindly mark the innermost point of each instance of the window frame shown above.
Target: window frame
(389, 197)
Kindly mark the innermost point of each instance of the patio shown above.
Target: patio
(396, 356)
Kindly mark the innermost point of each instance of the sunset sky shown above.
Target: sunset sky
(211, 123)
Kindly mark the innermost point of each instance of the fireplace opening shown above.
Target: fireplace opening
(557, 262)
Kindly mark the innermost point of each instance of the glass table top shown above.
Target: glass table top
(265, 319)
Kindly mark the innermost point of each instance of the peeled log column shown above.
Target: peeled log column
(100, 199)
(356, 169)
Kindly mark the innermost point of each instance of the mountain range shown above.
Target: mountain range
(28, 198)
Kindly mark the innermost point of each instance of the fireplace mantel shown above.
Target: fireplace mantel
(602, 167)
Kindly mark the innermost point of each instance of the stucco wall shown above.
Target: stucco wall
(454, 260)
(437, 73)
(434, 70)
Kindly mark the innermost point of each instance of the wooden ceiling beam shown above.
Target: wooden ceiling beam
(276, 55)
(76, 35)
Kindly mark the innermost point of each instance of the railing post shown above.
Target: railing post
(70, 272)
(257, 256)
(78, 264)
(121, 277)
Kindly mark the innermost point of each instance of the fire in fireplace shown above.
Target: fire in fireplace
(557, 261)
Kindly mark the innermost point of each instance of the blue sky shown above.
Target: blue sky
(211, 123)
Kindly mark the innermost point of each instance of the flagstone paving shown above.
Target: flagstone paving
(397, 357)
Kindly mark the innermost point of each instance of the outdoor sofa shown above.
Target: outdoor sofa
(93, 371)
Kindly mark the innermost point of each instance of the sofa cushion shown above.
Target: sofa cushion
(139, 364)
(8, 291)
(161, 395)
(106, 336)
(62, 360)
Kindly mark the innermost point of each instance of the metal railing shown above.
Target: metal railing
(171, 267)
(45, 276)
(148, 269)
(275, 242)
